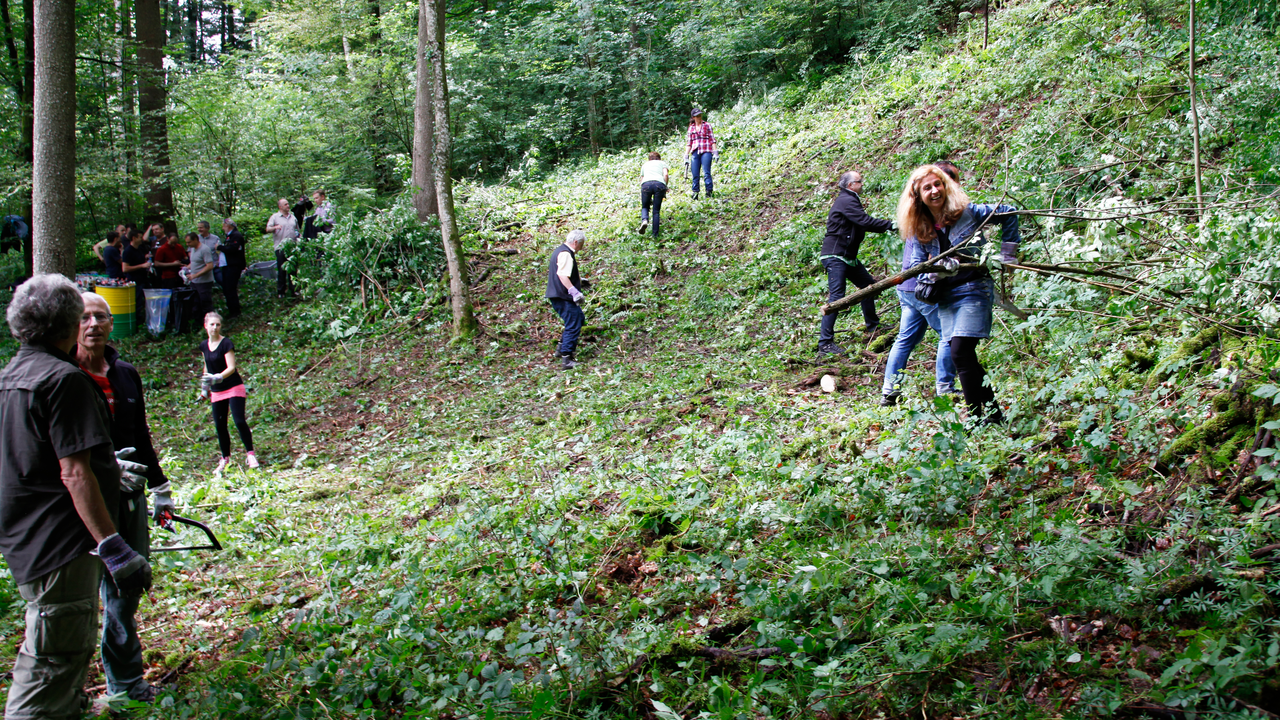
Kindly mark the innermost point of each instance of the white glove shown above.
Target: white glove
(131, 478)
(948, 266)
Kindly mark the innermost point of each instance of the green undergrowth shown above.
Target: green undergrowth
(684, 526)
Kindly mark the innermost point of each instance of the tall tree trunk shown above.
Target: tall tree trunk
(632, 71)
(423, 176)
(152, 101)
(26, 142)
(53, 173)
(464, 319)
(193, 31)
(346, 55)
(128, 96)
(587, 12)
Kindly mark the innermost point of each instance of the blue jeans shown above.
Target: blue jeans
(838, 271)
(572, 316)
(966, 310)
(651, 195)
(917, 317)
(121, 648)
(700, 163)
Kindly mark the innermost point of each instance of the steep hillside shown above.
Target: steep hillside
(685, 526)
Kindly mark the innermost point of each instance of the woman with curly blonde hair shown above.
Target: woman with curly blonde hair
(935, 215)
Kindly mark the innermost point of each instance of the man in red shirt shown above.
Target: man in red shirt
(169, 260)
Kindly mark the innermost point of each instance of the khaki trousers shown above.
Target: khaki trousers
(62, 630)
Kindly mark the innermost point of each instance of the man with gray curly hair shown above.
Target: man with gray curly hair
(59, 486)
(564, 292)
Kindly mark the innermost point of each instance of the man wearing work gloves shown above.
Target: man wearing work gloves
(59, 490)
(847, 225)
(564, 290)
(122, 386)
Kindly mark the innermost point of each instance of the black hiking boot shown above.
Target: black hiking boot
(693, 196)
(710, 194)
(567, 362)
(644, 225)
(830, 348)
(890, 399)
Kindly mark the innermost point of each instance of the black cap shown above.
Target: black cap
(696, 112)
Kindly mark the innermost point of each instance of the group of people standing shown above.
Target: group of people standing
(936, 221)
(156, 258)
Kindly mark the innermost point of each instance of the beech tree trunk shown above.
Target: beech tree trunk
(128, 99)
(152, 101)
(53, 172)
(464, 319)
(424, 185)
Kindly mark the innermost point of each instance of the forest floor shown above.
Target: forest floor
(686, 525)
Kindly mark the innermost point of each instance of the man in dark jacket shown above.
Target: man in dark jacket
(59, 493)
(564, 291)
(847, 225)
(122, 386)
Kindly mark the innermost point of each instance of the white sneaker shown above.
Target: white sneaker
(251, 460)
(222, 465)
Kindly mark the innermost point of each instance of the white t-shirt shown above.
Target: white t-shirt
(654, 170)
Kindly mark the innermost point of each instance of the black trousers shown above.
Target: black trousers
(236, 406)
(979, 396)
(651, 195)
(204, 300)
(284, 281)
(838, 271)
(231, 287)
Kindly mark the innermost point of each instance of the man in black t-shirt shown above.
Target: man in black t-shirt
(59, 491)
(136, 263)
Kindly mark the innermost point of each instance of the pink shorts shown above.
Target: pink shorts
(237, 391)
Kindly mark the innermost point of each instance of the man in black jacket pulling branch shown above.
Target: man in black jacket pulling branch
(847, 225)
(564, 291)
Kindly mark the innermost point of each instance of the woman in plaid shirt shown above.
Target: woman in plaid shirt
(701, 151)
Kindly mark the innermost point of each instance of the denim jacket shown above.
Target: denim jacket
(914, 252)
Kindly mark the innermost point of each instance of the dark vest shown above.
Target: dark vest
(555, 288)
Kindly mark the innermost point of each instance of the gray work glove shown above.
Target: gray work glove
(947, 267)
(1009, 253)
(131, 478)
(577, 296)
(686, 166)
(130, 571)
(162, 502)
(210, 379)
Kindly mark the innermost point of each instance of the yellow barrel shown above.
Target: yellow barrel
(121, 300)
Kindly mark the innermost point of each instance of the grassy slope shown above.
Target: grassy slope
(447, 529)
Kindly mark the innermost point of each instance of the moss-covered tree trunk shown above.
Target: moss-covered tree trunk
(464, 319)
(423, 175)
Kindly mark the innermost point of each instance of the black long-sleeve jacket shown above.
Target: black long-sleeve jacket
(848, 224)
(129, 421)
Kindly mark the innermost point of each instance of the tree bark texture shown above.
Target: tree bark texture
(53, 173)
(26, 143)
(423, 176)
(152, 102)
(128, 97)
(587, 12)
(464, 319)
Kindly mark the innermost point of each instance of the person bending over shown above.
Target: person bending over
(653, 188)
(847, 225)
(936, 215)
